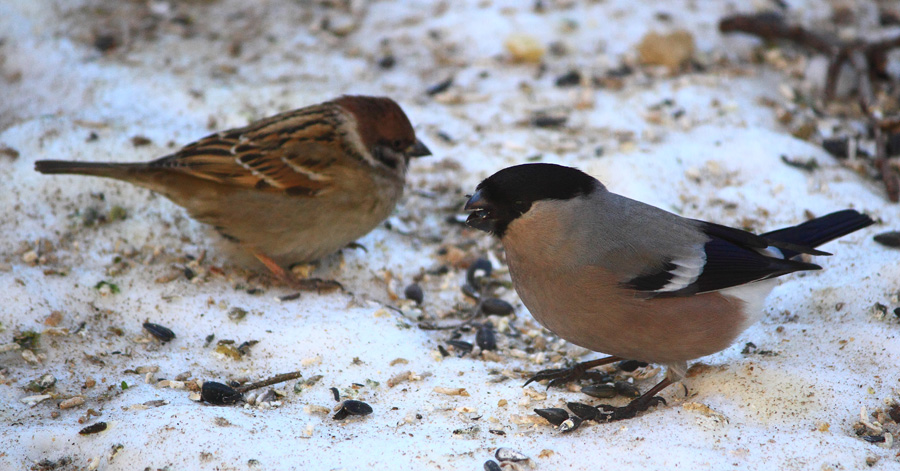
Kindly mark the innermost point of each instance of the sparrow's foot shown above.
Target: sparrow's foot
(300, 284)
(561, 376)
(610, 413)
(315, 284)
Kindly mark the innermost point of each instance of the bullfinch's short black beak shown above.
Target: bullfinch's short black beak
(417, 150)
(481, 216)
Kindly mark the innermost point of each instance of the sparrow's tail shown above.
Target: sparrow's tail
(794, 240)
(121, 171)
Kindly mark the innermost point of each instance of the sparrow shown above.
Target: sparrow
(291, 188)
(621, 277)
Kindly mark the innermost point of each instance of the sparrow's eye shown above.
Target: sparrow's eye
(397, 144)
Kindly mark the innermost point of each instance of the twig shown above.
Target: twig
(889, 174)
(474, 313)
(268, 382)
(771, 26)
(867, 59)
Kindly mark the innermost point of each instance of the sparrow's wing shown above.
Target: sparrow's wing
(284, 153)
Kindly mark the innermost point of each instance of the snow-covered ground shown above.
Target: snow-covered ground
(704, 144)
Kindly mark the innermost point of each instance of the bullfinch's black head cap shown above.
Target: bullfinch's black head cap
(509, 193)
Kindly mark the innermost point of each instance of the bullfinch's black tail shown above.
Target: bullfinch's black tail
(794, 240)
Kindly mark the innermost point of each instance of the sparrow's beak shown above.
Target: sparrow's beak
(481, 216)
(417, 150)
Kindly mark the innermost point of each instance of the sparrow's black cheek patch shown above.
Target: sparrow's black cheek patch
(386, 157)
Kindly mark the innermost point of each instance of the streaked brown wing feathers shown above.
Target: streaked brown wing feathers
(287, 152)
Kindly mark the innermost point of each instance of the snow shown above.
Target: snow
(176, 81)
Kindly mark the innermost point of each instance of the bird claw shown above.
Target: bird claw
(561, 376)
(316, 284)
(610, 413)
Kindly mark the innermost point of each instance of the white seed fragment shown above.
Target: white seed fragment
(32, 400)
(705, 410)
(71, 402)
(168, 383)
(30, 357)
(311, 361)
(451, 391)
(508, 454)
(30, 257)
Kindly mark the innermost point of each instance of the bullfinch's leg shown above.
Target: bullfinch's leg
(561, 376)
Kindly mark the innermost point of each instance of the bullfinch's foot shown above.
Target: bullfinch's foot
(562, 376)
(611, 413)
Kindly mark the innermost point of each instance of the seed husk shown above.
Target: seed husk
(630, 365)
(601, 391)
(491, 465)
(414, 292)
(485, 337)
(352, 407)
(462, 346)
(219, 394)
(888, 239)
(554, 415)
(472, 273)
(569, 425)
(497, 307)
(93, 428)
(624, 388)
(163, 334)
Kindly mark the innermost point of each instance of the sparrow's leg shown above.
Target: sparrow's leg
(647, 400)
(306, 284)
(560, 376)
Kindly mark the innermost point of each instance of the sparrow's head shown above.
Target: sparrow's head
(509, 193)
(384, 130)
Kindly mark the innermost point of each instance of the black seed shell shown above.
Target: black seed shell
(164, 334)
(554, 415)
(570, 425)
(497, 307)
(461, 345)
(491, 465)
(414, 292)
(601, 391)
(630, 365)
(888, 239)
(219, 394)
(352, 407)
(836, 147)
(480, 265)
(485, 337)
(627, 389)
(93, 428)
